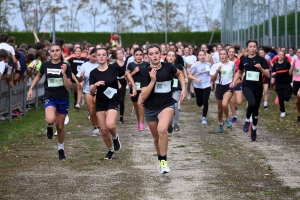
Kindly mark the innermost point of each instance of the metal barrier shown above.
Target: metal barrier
(16, 97)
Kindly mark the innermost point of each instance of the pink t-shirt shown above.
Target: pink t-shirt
(297, 70)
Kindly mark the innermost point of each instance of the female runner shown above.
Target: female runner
(56, 95)
(156, 83)
(104, 80)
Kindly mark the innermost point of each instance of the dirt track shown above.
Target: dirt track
(204, 164)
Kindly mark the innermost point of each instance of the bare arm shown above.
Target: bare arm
(147, 90)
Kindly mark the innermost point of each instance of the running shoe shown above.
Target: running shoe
(117, 143)
(170, 129)
(67, 119)
(203, 121)
(146, 127)
(228, 123)
(109, 155)
(246, 127)
(61, 155)
(221, 128)
(193, 95)
(133, 114)
(77, 106)
(176, 127)
(49, 132)
(234, 119)
(179, 107)
(122, 121)
(82, 101)
(282, 114)
(163, 167)
(253, 134)
(89, 116)
(188, 96)
(96, 132)
(141, 126)
(2, 118)
(265, 107)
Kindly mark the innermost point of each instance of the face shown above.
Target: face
(154, 55)
(280, 55)
(179, 52)
(133, 48)
(163, 48)
(283, 49)
(219, 47)
(172, 48)
(186, 51)
(201, 56)
(138, 56)
(231, 53)
(93, 58)
(101, 56)
(171, 57)
(298, 53)
(204, 47)
(261, 53)
(55, 52)
(146, 58)
(77, 52)
(120, 54)
(114, 49)
(291, 52)
(252, 48)
(223, 56)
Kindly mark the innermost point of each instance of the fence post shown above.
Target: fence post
(9, 104)
(24, 98)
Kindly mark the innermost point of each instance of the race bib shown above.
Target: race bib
(55, 82)
(175, 83)
(109, 92)
(252, 76)
(78, 68)
(297, 71)
(226, 73)
(162, 87)
(138, 85)
(207, 68)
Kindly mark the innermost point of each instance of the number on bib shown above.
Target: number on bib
(175, 83)
(109, 92)
(297, 70)
(252, 76)
(226, 73)
(162, 87)
(138, 85)
(55, 82)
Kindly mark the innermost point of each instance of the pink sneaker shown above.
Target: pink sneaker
(138, 128)
(141, 126)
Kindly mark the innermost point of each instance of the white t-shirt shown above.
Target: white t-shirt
(226, 72)
(201, 70)
(2, 67)
(87, 68)
(190, 59)
(130, 60)
(7, 47)
(293, 57)
(216, 57)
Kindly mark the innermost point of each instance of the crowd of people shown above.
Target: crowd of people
(159, 78)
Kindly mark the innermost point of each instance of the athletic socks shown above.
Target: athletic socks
(111, 149)
(61, 146)
(247, 120)
(115, 137)
(265, 103)
(160, 157)
(254, 127)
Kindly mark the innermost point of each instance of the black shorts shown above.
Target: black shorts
(221, 90)
(136, 97)
(151, 115)
(102, 105)
(267, 81)
(73, 80)
(296, 86)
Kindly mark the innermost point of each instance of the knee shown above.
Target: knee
(162, 131)
(50, 120)
(224, 105)
(110, 126)
(104, 132)
(59, 128)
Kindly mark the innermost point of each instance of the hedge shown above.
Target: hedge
(127, 38)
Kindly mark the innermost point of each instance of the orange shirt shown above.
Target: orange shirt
(84, 55)
(288, 57)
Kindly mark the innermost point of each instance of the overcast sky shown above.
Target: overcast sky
(86, 26)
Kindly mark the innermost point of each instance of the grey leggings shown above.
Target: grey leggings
(176, 96)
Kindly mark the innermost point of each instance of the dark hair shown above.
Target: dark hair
(94, 50)
(17, 55)
(41, 54)
(30, 57)
(113, 55)
(3, 37)
(262, 49)
(11, 39)
(78, 48)
(235, 51)
(201, 51)
(3, 53)
(153, 46)
(23, 46)
(249, 41)
(292, 48)
(224, 50)
(39, 45)
(136, 43)
(138, 49)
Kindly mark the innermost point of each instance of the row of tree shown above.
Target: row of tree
(153, 15)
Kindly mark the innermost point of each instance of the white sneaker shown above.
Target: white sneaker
(66, 119)
(133, 112)
(282, 114)
(82, 100)
(163, 167)
(89, 116)
(55, 134)
(96, 132)
(179, 106)
(189, 96)
(77, 106)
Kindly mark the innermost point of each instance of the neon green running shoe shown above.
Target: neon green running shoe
(163, 167)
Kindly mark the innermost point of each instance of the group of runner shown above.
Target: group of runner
(160, 77)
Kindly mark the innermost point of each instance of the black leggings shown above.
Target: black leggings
(202, 96)
(283, 95)
(122, 93)
(254, 99)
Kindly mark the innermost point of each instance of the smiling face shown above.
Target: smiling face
(77, 52)
(154, 55)
(281, 55)
(231, 53)
(102, 56)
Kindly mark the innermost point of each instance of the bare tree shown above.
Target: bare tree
(6, 7)
(26, 9)
(69, 12)
(94, 10)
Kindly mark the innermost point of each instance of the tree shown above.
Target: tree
(93, 10)
(69, 12)
(6, 7)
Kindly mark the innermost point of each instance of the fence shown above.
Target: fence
(270, 22)
(16, 97)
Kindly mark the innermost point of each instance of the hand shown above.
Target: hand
(82, 74)
(119, 85)
(153, 75)
(100, 83)
(258, 66)
(232, 85)
(219, 68)
(63, 68)
(29, 94)
(133, 92)
(186, 80)
(136, 69)
(198, 80)
(274, 74)
(182, 95)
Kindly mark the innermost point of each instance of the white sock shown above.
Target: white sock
(61, 146)
(235, 116)
(265, 103)
(115, 137)
(247, 120)
(253, 127)
(111, 149)
(48, 125)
